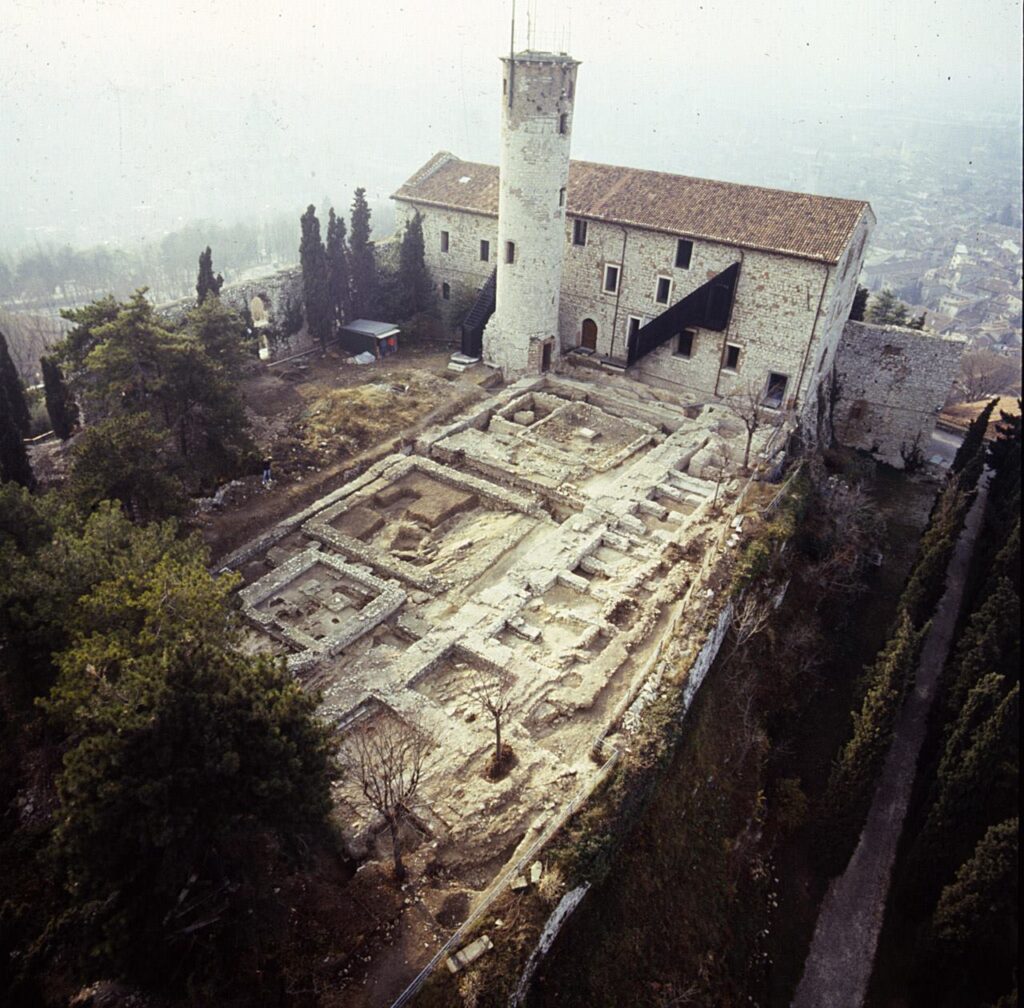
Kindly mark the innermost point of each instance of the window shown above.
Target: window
(579, 232)
(561, 197)
(510, 252)
(684, 249)
(684, 343)
(563, 121)
(444, 241)
(485, 250)
(732, 357)
(446, 292)
(664, 291)
(611, 279)
(775, 390)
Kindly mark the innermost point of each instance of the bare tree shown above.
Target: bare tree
(747, 402)
(984, 373)
(491, 690)
(387, 761)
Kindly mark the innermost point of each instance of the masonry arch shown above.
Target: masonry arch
(588, 334)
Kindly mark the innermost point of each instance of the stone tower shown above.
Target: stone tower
(536, 125)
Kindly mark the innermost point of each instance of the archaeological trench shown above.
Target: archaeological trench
(557, 531)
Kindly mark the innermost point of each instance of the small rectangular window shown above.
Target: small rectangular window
(510, 252)
(664, 290)
(563, 121)
(485, 250)
(684, 249)
(684, 343)
(732, 357)
(579, 232)
(446, 292)
(611, 279)
(561, 197)
(775, 390)
(444, 241)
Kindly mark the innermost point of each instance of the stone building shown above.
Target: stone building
(706, 289)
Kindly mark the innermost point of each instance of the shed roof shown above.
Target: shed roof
(368, 327)
(774, 220)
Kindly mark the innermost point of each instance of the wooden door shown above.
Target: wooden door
(588, 335)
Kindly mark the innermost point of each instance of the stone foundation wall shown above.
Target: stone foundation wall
(892, 384)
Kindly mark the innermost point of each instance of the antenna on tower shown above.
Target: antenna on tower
(512, 54)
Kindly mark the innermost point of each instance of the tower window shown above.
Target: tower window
(563, 123)
(579, 232)
(732, 357)
(775, 390)
(684, 344)
(446, 292)
(485, 250)
(611, 279)
(561, 197)
(444, 241)
(664, 290)
(510, 252)
(684, 249)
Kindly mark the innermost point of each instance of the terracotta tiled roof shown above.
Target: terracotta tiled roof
(812, 227)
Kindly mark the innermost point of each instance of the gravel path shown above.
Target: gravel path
(842, 952)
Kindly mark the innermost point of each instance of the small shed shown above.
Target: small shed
(365, 335)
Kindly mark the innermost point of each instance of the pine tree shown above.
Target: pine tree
(206, 282)
(888, 310)
(416, 290)
(860, 303)
(315, 284)
(11, 381)
(338, 279)
(363, 263)
(60, 406)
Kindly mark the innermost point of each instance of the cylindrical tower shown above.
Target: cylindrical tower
(536, 125)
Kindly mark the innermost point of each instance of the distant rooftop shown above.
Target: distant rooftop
(773, 220)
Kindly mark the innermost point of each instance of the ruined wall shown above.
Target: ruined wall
(892, 384)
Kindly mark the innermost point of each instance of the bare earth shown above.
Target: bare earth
(842, 952)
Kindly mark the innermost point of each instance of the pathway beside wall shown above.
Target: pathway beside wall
(842, 952)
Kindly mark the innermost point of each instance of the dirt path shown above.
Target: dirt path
(842, 953)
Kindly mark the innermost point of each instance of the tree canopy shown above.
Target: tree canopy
(315, 281)
(206, 283)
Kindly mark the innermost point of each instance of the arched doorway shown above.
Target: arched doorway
(588, 334)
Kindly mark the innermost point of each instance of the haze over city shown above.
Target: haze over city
(122, 122)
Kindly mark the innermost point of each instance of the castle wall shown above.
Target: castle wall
(892, 384)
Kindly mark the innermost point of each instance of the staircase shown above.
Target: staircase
(475, 320)
(708, 307)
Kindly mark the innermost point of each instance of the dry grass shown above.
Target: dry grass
(962, 414)
(347, 420)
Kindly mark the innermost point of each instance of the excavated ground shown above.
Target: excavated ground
(549, 531)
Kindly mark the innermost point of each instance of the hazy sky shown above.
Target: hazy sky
(121, 117)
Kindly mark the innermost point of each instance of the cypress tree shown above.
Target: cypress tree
(974, 439)
(415, 286)
(60, 406)
(860, 303)
(14, 463)
(363, 264)
(313, 260)
(888, 310)
(338, 278)
(11, 381)
(206, 282)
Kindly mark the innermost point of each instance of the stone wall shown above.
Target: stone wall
(892, 384)
(273, 289)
